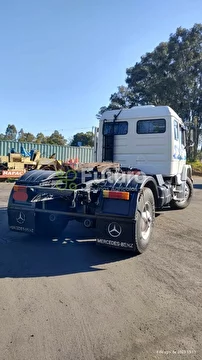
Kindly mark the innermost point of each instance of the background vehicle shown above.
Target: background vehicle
(140, 166)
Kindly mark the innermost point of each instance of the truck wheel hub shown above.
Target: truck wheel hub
(186, 192)
(146, 223)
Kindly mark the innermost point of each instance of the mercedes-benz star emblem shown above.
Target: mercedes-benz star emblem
(114, 229)
(21, 218)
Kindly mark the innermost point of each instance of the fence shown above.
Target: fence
(84, 154)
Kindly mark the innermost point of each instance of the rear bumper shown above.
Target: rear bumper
(114, 219)
(111, 230)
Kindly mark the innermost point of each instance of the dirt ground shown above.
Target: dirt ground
(72, 300)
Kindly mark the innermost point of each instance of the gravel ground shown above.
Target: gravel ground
(70, 299)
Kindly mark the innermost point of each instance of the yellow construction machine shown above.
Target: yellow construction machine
(15, 164)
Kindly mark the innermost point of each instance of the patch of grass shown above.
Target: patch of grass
(196, 165)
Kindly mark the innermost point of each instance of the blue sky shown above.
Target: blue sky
(61, 59)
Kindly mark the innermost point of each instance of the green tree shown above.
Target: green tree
(56, 139)
(86, 139)
(25, 136)
(2, 136)
(41, 138)
(169, 75)
(29, 137)
(11, 133)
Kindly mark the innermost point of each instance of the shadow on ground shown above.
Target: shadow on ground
(22, 255)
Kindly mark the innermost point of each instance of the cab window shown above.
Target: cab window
(176, 130)
(115, 128)
(153, 126)
(183, 136)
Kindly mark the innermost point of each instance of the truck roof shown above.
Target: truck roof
(148, 111)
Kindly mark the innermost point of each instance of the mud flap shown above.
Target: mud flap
(116, 233)
(22, 220)
(115, 225)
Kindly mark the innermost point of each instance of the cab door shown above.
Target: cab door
(176, 150)
(108, 142)
(182, 140)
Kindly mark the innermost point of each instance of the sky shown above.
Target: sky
(60, 60)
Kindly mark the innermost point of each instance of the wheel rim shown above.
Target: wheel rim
(186, 194)
(146, 222)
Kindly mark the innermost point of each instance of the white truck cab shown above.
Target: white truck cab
(151, 138)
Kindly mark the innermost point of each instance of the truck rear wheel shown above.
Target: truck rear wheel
(176, 204)
(145, 216)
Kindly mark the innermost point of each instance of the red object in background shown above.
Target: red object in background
(12, 174)
(72, 162)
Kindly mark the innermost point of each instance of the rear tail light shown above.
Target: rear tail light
(121, 195)
(20, 193)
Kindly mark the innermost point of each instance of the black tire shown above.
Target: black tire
(145, 216)
(177, 205)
